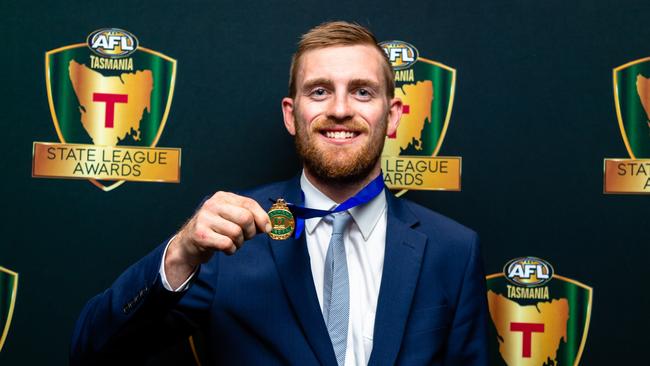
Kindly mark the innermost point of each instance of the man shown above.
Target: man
(365, 279)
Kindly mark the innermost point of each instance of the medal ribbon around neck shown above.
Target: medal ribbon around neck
(281, 209)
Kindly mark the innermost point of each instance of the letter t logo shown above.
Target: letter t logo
(110, 100)
(527, 329)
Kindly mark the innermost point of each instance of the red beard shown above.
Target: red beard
(343, 167)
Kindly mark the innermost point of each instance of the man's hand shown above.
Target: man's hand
(223, 223)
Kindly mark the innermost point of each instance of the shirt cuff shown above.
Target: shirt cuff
(163, 277)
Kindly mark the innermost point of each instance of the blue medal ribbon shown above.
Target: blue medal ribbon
(365, 195)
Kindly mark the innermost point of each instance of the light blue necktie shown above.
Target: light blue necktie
(336, 288)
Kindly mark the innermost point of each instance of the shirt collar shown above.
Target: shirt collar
(365, 216)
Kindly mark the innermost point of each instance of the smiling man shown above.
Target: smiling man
(340, 107)
(365, 278)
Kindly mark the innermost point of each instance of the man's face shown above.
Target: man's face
(341, 113)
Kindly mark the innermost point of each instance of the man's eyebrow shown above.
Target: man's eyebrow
(310, 84)
(357, 83)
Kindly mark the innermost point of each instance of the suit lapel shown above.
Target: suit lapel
(292, 261)
(402, 261)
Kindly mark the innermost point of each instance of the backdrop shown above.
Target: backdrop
(533, 118)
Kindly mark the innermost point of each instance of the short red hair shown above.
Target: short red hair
(339, 33)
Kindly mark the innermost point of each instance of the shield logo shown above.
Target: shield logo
(8, 289)
(536, 325)
(109, 101)
(632, 99)
(426, 89)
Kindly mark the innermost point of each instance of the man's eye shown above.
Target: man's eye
(362, 92)
(319, 92)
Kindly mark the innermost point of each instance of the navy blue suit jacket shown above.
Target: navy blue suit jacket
(259, 306)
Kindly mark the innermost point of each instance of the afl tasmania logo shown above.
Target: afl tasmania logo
(410, 156)
(112, 42)
(401, 54)
(528, 271)
(539, 317)
(109, 99)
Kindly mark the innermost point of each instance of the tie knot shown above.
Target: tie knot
(340, 222)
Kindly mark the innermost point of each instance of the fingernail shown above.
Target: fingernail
(268, 228)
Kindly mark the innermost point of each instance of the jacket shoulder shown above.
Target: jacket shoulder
(438, 226)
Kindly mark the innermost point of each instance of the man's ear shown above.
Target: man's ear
(287, 113)
(394, 115)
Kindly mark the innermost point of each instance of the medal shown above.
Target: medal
(282, 222)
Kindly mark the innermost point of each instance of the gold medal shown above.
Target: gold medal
(282, 222)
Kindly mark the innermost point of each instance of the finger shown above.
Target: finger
(240, 216)
(219, 242)
(225, 244)
(224, 227)
(262, 221)
(260, 217)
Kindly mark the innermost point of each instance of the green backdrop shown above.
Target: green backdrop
(533, 119)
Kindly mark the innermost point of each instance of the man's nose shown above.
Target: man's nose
(340, 108)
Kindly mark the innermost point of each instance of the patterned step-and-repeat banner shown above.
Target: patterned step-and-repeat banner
(549, 163)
